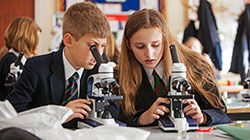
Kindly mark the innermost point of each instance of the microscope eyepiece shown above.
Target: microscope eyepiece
(105, 57)
(18, 59)
(96, 54)
(174, 54)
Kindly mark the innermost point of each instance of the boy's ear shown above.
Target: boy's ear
(67, 39)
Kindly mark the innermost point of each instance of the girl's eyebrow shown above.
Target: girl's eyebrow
(156, 41)
(138, 43)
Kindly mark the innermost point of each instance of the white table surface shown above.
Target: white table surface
(216, 134)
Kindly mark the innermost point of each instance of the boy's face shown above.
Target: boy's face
(79, 52)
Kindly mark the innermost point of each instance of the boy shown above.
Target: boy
(48, 79)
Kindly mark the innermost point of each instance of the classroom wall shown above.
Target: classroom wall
(175, 16)
(44, 10)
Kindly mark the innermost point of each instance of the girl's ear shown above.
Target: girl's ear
(68, 40)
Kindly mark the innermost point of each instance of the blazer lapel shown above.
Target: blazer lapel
(57, 79)
(145, 91)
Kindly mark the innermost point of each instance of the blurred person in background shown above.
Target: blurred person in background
(112, 50)
(21, 35)
(194, 44)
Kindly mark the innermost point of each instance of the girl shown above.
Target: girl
(144, 52)
(22, 35)
(112, 49)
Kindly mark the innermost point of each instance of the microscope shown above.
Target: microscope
(102, 89)
(178, 91)
(246, 96)
(14, 73)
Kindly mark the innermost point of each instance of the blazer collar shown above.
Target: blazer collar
(145, 91)
(57, 79)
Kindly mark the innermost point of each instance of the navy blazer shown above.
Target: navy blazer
(5, 63)
(42, 82)
(145, 97)
(242, 44)
(207, 33)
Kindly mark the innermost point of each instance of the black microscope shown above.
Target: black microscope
(102, 88)
(178, 91)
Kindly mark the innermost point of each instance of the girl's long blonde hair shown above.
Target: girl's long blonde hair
(199, 72)
(21, 36)
(112, 48)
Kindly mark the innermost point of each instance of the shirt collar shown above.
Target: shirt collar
(159, 69)
(23, 60)
(69, 69)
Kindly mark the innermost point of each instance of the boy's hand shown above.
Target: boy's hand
(154, 112)
(193, 110)
(80, 107)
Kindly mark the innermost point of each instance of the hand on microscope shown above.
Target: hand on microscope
(193, 110)
(154, 112)
(80, 107)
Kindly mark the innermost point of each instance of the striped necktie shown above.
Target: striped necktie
(159, 87)
(71, 92)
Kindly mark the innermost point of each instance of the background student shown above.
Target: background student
(145, 56)
(22, 35)
(194, 44)
(112, 50)
(61, 77)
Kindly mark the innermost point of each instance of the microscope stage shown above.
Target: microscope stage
(167, 125)
(95, 122)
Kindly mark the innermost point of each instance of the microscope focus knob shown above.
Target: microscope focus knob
(107, 115)
(91, 104)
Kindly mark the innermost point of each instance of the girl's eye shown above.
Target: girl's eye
(139, 47)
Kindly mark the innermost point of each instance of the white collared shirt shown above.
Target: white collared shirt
(23, 60)
(69, 70)
(160, 71)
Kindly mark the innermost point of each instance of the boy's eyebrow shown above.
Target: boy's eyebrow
(95, 42)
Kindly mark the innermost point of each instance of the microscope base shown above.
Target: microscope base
(246, 97)
(95, 122)
(167, 124)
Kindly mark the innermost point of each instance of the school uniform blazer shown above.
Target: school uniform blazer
(242, 45)
(42, 82)
(5, 63)
(208, 34)
(145, 98)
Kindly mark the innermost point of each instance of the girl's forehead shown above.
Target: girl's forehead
(146, 35)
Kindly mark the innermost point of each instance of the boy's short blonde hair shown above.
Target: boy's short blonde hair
(85, 18)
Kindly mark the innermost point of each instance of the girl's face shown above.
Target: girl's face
(147, 46)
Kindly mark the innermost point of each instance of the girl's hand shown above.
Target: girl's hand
(193, 110)
(154, 112)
